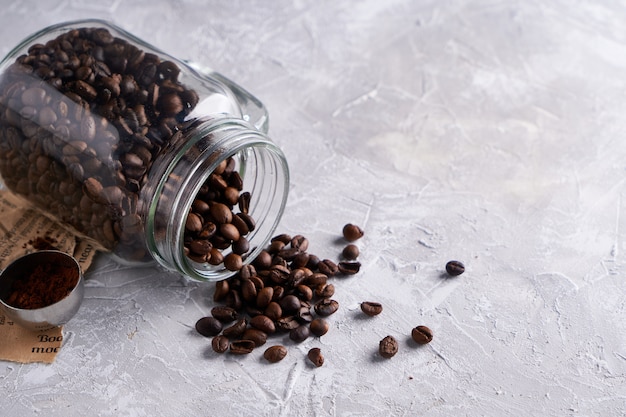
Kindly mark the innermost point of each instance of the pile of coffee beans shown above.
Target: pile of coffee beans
(212, 226)
(285, 290)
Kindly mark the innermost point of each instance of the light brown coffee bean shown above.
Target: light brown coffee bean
(275, 353)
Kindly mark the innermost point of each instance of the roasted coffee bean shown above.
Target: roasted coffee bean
(224, 314)
(304, 315)
(300, 333)
(350, 252)
(275, 353)
(241, 347)
(248, 290)
(208, 326)
(200, 246)
(326, 307)
(259, 337)
(244, 202)
(284, 238)
(388, 347)
(247, 272)
(422, 335)
(315, 356)
(264, 297)
(352, 232)
(233, 299)
(241, 246)
(273, 310)
(222, 289)
(349, 268)
(455, 268)
(316, 279)
(371, 308)
(221, 213)
(328, 267)
(319, 327)
(233, 262)
(263, 260)
(303, 292)
(290, 304)
(193, 223)
(300, 243)
(220, 344)
(287, 323)
(263, 323)
(325, 290)
(229, 231)
(236, 330)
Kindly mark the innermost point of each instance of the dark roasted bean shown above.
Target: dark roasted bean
(349, 268)
(275, 353)
(241, 347)
(371, 308)
(388, 347)
(319, 327)
(422, 335)
(208, 326)
(300, 333)
(326, 307)
(220, 344)
(455, 268)
(315, 356)
(352, 232)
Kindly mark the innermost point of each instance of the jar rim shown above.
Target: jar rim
(228, 137)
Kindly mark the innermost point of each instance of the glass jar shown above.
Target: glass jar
(149, 157)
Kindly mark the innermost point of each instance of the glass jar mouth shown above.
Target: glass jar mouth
(206, 144)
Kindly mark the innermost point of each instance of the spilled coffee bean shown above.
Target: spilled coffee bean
(388, 347)
(371, 308)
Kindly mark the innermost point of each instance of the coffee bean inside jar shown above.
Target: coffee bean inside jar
(138, 151)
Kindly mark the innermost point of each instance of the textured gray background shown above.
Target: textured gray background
(487, 131)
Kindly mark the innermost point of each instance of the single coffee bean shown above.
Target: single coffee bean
(263, 323)
(349, 268)
(236, 330)
(325, 290)
(319, 327)
(300, 333)
(455, 268)
(208, 326)
(233, 262)
(241, 347)
(388, 347)
(248, 290)
(290, 304)
(315, 356)
(350, 252)
(352, 232)
(220, 344)
(257, 336)
(224, 314)
(328, 267)
(275, 353)
(221, 213)
(326, 307)
(221, 290)
(287, 323)
(264, 297)
(273, 309)
(229, 231)
(422, 335)
(300, 243)
(371, 308)
(193, 223)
